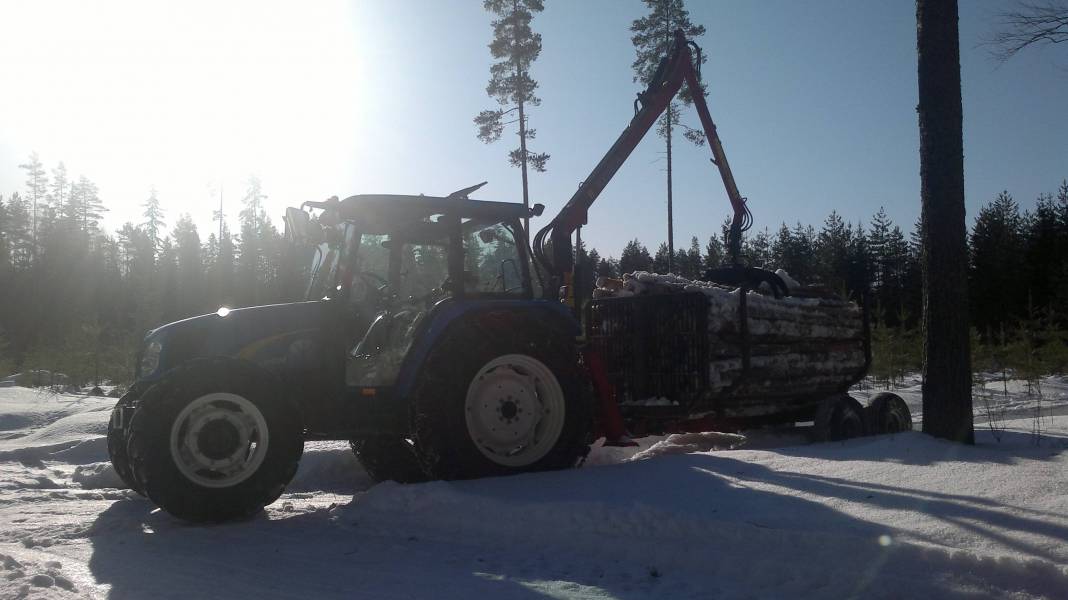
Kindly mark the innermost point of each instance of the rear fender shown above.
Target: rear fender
(501, 317)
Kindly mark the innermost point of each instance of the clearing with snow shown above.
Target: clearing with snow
(686, 516)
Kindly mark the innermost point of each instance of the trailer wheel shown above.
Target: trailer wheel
(389, 458)
(214, 441)
(888, 413)
(117, 439)
(839, 418)
(493, 403)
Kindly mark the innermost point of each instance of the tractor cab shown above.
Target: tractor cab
(388, 261)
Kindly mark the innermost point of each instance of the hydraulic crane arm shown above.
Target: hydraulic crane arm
(681, 65)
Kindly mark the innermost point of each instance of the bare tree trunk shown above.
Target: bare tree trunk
(671, 224)
(947, 397)
(523, 165)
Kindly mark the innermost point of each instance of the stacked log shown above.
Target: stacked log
(807, 344)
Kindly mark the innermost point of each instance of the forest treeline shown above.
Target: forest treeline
(77, 299)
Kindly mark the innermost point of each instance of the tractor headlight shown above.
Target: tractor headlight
(150, 358)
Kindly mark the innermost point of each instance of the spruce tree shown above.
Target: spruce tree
(153, 215)
(635, 257)
(713, 257)
(514, 49)
(652, 37)
(190, 267)
(996, 285)
(832, 251)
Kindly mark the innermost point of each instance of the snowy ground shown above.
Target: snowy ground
(886, 517)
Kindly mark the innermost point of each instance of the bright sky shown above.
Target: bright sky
(815, 103)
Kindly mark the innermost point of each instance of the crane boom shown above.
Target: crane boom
(681, 65)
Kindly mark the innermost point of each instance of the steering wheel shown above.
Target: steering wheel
(376, 286)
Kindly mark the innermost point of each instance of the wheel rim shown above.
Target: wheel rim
(515, 410)
(896, 422)
(219, 440)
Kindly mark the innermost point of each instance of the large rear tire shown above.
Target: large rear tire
(215, 440)
(501, 401)
(389, 458)
(839, 418)
(888, 413)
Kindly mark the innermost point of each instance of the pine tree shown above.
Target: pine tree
(713, 253)
(652, 37)
(60, 188)
(661, 260)
(758, 249)
(36, 195)
(514, 49)
(794, 251)
(252, 264)
(91, 207)
(694, 259)
(635, 257)
(947, 382)
(19, 233)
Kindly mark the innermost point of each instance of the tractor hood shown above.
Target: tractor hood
(262, 334)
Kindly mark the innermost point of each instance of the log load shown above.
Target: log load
(801, 347)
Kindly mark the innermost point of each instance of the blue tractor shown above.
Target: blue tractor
(425, 340)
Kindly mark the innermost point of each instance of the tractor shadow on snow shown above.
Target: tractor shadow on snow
(696, 525)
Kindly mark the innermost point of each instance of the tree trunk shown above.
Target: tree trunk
(947, 398)
(671, 224)
(523, 164)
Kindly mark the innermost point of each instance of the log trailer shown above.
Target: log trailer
(430, 341)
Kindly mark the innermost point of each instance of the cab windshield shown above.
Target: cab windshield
(320, 271)
(323, 261)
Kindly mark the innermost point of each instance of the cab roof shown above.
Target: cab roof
(401, 207)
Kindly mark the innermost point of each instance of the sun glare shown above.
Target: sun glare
(187, 97)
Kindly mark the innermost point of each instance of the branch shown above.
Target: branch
(1029, 24)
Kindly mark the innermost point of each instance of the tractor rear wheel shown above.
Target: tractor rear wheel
(497, 403)
(389, 458)
(888, 413)
(215, 440)
(839, 418)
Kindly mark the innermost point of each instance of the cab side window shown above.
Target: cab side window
(492, 261)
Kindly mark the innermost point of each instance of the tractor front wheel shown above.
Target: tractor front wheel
(118, 435)
(215, 440)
